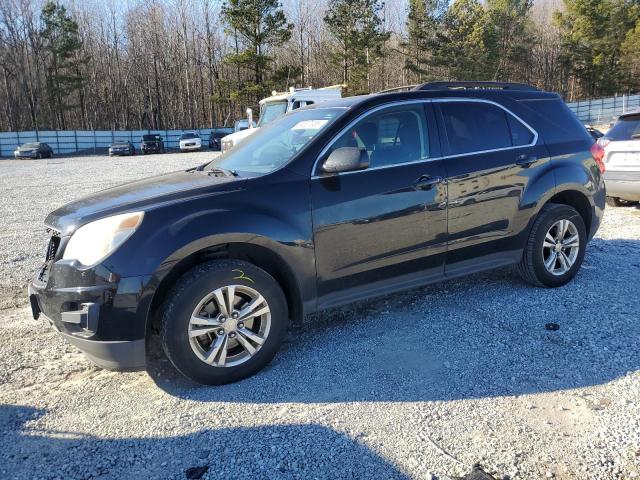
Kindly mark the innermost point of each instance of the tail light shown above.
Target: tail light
(597, 152)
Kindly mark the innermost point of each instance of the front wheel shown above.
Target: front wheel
(555, 248)
(223, 321)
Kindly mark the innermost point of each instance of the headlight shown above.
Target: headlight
(226, 145)
(96, 240)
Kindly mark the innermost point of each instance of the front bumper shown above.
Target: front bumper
(185, 148)
(25, 155)
(624, 185)
(151, 148)
(100, 313)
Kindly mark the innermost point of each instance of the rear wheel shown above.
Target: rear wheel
(224, 321)
(555, 248)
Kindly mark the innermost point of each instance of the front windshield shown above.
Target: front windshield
(150, 137)
(270, 111)
(273, 146)
(31, 145)
(186, 136)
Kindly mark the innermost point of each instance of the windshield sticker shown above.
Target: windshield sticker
(310, 125)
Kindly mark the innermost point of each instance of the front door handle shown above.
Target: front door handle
(525, 160)
(425, 182)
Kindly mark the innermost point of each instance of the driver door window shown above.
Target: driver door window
(393, 136)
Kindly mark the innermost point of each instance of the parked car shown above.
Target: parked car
(33, 150)
(594, 132)
(121, 147)
(334, 203)
(216, 136)
(622, 158)
(190, 141)
(152, 143)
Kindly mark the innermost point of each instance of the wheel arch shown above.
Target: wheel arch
(578, 200)
(259, 255)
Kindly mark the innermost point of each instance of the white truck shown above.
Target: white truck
(280, 103)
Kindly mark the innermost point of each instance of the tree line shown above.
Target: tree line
(172, 64)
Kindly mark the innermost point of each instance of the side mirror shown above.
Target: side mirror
(346, 159)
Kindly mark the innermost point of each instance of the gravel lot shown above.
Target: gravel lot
(30, 189)
(416, 385)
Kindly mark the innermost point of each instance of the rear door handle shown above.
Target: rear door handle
(525, 160)
(425, 182)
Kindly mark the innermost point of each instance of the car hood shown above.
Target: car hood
(138, 196)
(237, 137)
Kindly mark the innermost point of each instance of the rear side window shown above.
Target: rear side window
(475, 127)
(626, 128)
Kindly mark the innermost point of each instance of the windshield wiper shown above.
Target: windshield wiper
(222, 171)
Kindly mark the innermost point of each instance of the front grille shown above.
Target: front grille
(52, 248)
(50, 254)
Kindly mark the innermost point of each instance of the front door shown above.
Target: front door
(385, 222)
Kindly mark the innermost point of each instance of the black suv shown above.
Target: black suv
(216, 136)
(330, 204)
(152, 143)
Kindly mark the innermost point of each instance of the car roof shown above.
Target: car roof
(484, 90)
(630, 114)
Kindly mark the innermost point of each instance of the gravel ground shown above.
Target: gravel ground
(30, 189)
(419, 385)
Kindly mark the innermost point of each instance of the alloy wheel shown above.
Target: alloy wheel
(229, 325)
(560, 247)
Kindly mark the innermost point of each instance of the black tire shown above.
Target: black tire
(194, 286)
(531, 268)
(619, 202)
(614, 202)
(39, 156)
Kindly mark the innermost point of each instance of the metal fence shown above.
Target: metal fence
(598, 111)
(90, 141)
(602, 111)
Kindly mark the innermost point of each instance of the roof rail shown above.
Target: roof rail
(399, 89)
(475, 86)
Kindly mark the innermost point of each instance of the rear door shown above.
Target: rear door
(490, 155)
(384, 226)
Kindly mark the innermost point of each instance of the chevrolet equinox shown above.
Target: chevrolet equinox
(327, 205)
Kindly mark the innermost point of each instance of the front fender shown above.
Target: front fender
(273, 215)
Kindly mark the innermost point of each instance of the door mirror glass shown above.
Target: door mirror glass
(346, 159)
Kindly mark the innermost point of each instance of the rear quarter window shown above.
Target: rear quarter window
(556, 122)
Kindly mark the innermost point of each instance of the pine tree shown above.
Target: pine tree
(358, 29)
(593, 33)
(423, 22)
(507, 37)
(462, 47)
(630, 59)
(63, 51)
(260, 25)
